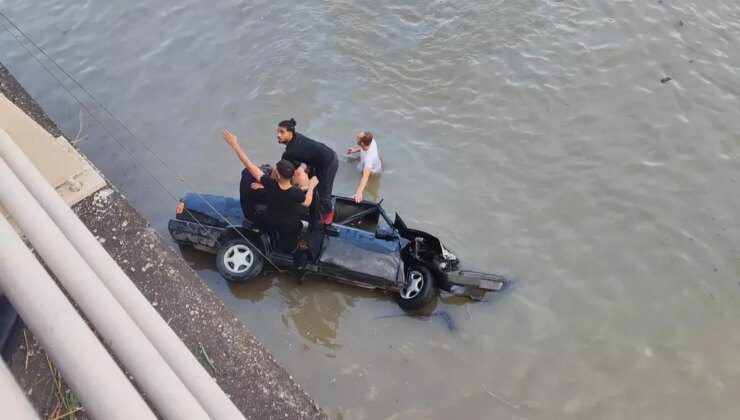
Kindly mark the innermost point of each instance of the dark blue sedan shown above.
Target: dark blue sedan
(362, 247)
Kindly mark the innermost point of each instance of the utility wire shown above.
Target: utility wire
(119, 122)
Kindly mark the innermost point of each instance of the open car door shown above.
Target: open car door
(351, 246)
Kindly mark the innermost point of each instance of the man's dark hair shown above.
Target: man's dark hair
(285, 168)
(288, 124)
(266, 168)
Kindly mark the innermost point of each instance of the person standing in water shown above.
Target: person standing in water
(369, 160)
(321, 161)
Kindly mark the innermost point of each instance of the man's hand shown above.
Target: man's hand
(313, 182)
(358, 197)
(230, 138)
(257, 186)
(351, 150)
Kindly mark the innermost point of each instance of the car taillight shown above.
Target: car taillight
(180, 208)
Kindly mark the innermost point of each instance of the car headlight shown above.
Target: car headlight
(447, 254)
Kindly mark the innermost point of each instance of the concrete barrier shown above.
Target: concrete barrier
(163, 388)
(169, 345)
(96, 379)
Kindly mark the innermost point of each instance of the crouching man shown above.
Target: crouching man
(282, 199)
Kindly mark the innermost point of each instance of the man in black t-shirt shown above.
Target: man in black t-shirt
(252, 194)
(318, 157)
(282, 197)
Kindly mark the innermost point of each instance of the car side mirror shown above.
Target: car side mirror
(386, 233)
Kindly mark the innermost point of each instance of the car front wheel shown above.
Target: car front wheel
(238, 261)
(419, 290)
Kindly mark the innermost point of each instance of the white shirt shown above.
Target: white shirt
(370, 159)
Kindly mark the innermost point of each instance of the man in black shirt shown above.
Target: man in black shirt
(252, 194)
(319, 158)
(282, 197)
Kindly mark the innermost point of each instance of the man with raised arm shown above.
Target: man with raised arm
(282, 197)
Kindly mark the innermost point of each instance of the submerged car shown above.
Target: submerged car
(361, 247)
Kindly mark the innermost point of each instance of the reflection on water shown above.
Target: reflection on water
(253, 290)
(313, 309)
(316, 316)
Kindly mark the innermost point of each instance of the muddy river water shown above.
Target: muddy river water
(535, 137)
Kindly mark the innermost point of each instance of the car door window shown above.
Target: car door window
(365, 217)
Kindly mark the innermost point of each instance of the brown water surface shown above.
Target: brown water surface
(534, 137)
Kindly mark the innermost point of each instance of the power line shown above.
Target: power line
(120, 123)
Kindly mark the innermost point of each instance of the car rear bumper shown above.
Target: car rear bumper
(196, 234)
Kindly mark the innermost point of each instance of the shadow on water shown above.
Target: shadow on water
(253, 290)
(441, 316)
(315, 308)
(197, 260)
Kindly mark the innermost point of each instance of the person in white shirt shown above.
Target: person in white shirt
(369, 160)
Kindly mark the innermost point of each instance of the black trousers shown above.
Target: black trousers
(326, 183)
(249, 198)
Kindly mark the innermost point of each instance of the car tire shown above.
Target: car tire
(419, 290)
(238, 261)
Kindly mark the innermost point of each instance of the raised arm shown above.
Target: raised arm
(312, 183)
(363, 183)
(233, 141)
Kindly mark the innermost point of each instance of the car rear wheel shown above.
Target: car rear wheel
(419, 290)
(238, 261)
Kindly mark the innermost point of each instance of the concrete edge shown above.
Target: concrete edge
(243, 368)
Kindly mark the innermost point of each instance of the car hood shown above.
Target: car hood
(410, 234)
